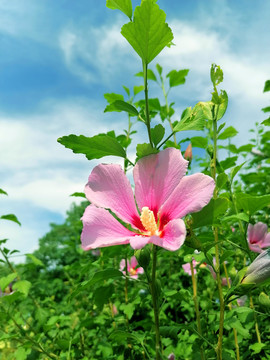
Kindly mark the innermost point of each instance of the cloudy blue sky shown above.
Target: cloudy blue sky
(57, 60)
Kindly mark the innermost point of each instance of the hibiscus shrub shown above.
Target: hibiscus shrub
(164, 264)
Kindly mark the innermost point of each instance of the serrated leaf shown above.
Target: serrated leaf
(119, 105)
(235, 217)
(157, 134)
(78, 194)
(177, 77)
(10, 217)
(3, 192)
(144, 150)
(251, 204)
(111, 97)
(223, 105)
(235, 170)
(23, 286)
(128, 309)
(228, 133)
(6, 280)
(150, 75)
(94, 147)
(210, 213)
(191, 119)
(257, 347)
(148, 34)
(123, 5)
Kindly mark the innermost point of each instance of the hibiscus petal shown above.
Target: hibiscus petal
(101, 229)
(139, 242)
(156, 176)
(173, 237)
(191, 195)
(108, 187)
(255, 248)
(133, 262)
(266, 241)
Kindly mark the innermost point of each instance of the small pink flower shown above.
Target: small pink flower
(131, 267)
(187, 267)
(257, 237)
(171, 356)
(163, 196)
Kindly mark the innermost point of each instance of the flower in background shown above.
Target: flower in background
(224, 281)
(171, 356)
(163, 196)
(187, 267)
(258, 237)
(131, 267)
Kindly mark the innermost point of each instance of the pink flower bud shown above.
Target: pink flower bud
(188, 153)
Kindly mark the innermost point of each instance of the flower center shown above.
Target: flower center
(148, 221)
(132, 271)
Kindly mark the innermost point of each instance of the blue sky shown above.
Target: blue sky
(57, 60)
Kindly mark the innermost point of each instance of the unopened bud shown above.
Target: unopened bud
(143, 256)
(259, 270)
(188, 153)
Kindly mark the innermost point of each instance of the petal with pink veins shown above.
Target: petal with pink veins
(191, 195)
(266, 241)
(101, 229)
(156, 176)
(173, 236)
(108, 187)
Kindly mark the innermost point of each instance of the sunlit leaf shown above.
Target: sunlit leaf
(157, 133)
(10, 217)
(251, 204)
(148, 33)
(6, 280)
(144, 150)
(3, 192)
(123, 5)
(228, 133)
(23, 286)
(177, 77)
(150, 75)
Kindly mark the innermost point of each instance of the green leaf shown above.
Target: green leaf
(6, 280)
(157, 134)
(235, 217)
(228, 133)
(23, 286)
(150, 75)
(266, 109)
(257, 347)
(10, 217)
(177, 77)
(159, 69)
(126, 90)
(78, 194)
(123, 5)
(94, 147)
(235, 170)
(138, 89)
(223, 105)
(209, 214)
(266, 122)
(111, 97)
(121, 337)
(119, 105)
(222, 179)
(191, 119)
(264, 300)
(228, 163)
(199, 141)
(35, 260)
(144, 150)
(128, 309)
(102, 295)
(266, 86)
(148, 34)
(3, 192)
(216, 74)
(251, 204)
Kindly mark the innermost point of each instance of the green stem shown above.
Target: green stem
(147, 115)
(197, 310)
(215, 231)
(167, 138)
(155, 301)
(256, 322)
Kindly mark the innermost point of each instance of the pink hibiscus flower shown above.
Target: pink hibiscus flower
(163, 196)
(258, 237)
(187, 267)
(131, 267)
